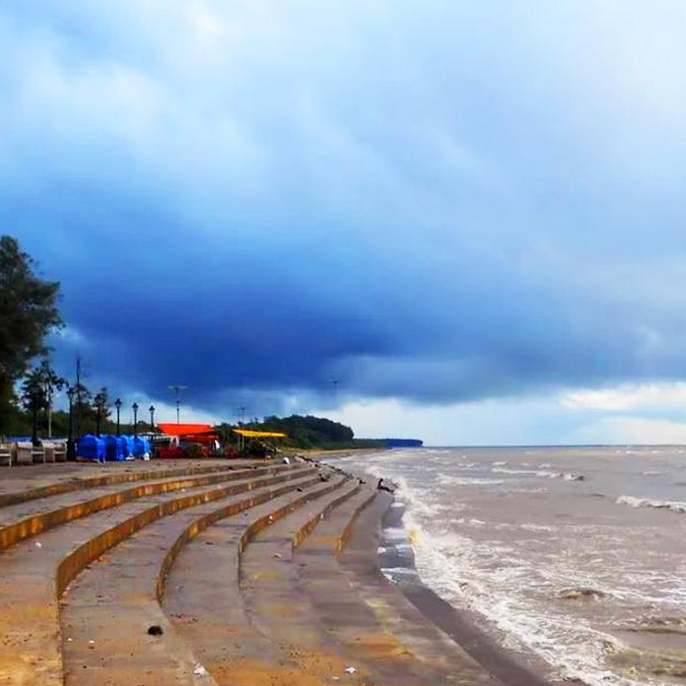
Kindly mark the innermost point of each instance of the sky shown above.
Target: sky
(468, 215)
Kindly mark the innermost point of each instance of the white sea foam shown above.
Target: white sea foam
(448, 480)
(483, 577)
(499, 464)
(541, 473)
(672, 505)
(471, 521)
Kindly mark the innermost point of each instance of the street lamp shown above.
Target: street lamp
(135, 418)
(117, 404)
(71, 449)
(151, 409)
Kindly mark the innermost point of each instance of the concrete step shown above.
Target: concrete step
(345, 616)
(115, 602)
(21, 521)
(21, 485)
(275, 601)
(408, 647)
(208, 611)
(333, 532)
(313, 608)
(34, 573)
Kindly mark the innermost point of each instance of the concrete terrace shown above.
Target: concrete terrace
(237, 573)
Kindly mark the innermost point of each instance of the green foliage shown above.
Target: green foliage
(28, 312)
(307, 432)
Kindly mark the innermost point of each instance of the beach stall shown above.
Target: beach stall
(257, 443)
(187, 440)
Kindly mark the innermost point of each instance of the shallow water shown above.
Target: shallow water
(576, 554)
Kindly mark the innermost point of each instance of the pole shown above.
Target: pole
(34, 437)
(135, 419)
(78, 394)
(49, 412)
(177, 389)
(71, 452)
(117, 404)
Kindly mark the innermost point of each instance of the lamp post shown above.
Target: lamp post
(151, 409)
(98, 416)
(117, 404)
(71, 449)
(135, 419)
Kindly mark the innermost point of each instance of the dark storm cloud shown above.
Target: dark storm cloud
(438, 203)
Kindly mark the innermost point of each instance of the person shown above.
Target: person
(382, 487)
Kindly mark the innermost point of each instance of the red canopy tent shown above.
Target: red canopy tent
(193, 433)
(204, 435)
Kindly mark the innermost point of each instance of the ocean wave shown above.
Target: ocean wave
(542, 473)
(477, 575)
(471, 521)
(498, 464)
(448, 480)
(632, 501)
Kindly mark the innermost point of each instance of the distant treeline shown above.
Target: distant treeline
(325, 434)
(311, 432)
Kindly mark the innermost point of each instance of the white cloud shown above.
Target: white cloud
(633, 430)
(628, 397)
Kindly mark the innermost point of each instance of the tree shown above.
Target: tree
(101, 408)
(83, 408)
(28, 312)
(34, 398)
(37, 391)
(52, 383)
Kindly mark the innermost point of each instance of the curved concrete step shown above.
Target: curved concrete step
(208, 612)
(65, 478)
(311, 608)
(333, 532)
(34, 573)
(19, 522)
(278, 606)
(344, 615)
(116, 601)
(406, 637)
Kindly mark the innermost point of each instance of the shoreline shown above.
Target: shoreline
(463, 626)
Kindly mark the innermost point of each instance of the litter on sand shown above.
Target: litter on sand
(350, 670)
(199, 670)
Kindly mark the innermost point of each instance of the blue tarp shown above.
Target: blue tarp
(141, 447)
(91, 447)
(126, 446)
(113, 449)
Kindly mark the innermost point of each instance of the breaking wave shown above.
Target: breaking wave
(632, 501)
(542, 473)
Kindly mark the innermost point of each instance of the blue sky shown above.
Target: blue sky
(469, 214)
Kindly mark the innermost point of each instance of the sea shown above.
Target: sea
(575, 556)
